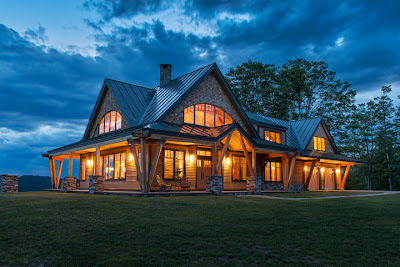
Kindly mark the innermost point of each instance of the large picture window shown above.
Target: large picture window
(174, 164)
(113, 166)
(319, 143)
(239, 168)
(273, 171)
(111, 121)
(273, 137)
(206, 115)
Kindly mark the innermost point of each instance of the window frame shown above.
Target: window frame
(275, 132)
(205, 116)
(247, 169)
(174, 164)
(103, 119)
(103, 165)
(319, 141)
(266, 161)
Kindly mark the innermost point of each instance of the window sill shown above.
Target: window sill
(239, 181)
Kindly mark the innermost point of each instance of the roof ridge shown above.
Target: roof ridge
(268, 117)
(186, 74)
(130, 83)
(312, 118)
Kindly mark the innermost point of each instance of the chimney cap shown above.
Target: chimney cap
(166, 66)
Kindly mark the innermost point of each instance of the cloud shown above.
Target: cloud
(38, 34)
(43, 89)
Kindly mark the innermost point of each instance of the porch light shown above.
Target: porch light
(305, 168)
(227, 161)
(322, 169)
(337, 171)
(89, 162)
(130, 157)
(191, 158)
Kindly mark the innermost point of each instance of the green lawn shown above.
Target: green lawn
(80, 229)
(309, 194)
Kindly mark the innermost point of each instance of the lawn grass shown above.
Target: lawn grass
(310, 194)
(80, 229)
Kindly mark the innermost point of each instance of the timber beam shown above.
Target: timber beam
(224, 151)
(155, 162)
(309, 175)
(246, 155)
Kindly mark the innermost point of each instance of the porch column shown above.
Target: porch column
(97, 161)
(143, 165)
(8, 183)
(253, 184)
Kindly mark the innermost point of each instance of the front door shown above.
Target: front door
(203, 168)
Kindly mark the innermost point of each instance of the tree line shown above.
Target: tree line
(301, 89)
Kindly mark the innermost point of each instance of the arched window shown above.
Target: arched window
(206, 115)
(111, 121)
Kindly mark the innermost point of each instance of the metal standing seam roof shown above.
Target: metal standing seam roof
(305, 129)
(132, 99)
(168, 94)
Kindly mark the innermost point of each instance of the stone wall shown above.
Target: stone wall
(214, 184)
(209, 91)
(8, 183)
(272, 186)
(107, 104)
(253, 184)
(69, 183)
(96, 183)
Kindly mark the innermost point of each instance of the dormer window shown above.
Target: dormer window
(273, 136)
(111, 121)
(206, 115)
(319, 143)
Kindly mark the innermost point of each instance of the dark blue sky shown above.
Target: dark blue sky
(54, 55)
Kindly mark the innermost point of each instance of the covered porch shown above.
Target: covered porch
(143, 158)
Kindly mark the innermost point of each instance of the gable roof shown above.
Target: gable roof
(305, 129)
(170, 94)
(131, 99)
(298, 133)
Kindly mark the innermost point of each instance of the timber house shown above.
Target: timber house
(192, 133)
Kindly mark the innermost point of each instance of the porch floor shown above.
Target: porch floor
(163, 194)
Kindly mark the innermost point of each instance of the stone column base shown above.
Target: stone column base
(8, 183)
(253, 184)
(214, 184)
(69, 183)
(96, 183)
(296, 187)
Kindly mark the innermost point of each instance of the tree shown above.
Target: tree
(384, 113)
(255, 86)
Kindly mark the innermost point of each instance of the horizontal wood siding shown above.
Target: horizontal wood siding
(228, 184)
(298, 173)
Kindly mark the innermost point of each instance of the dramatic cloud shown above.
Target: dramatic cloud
(47, 95)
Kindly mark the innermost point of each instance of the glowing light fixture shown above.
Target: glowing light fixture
(337, 171)
(305, 168)
(191, 158)
(322, 169)
(89, 162)
(227, 161)
(130, 157)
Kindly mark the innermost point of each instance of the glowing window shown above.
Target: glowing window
(273, 136)
(111, 121)
(113, 166)
(206, 115)
(174, 164)
(319, 143)
(239, 168)
(273, 171)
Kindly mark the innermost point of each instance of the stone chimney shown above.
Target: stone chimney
(165, 73)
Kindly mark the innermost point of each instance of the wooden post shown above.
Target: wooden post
(254, 157)
(155, 162)
(59, 172)
(214, 158)
(97, 161)
(136, 158)
(308, 179)
(246, 156)
(343, 181)
(289, 181)
(52, 172)
(143, 164)
(71, 161)
(219, 165)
